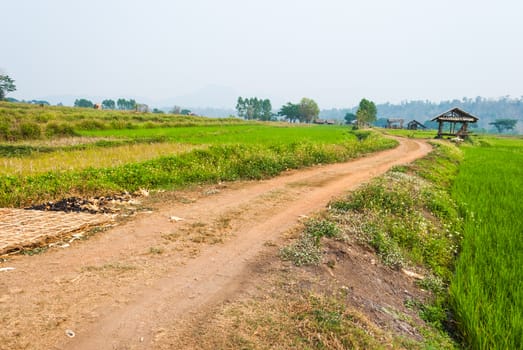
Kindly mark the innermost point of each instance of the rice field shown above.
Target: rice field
(92, 157)
(21, 121)
(114, 151)
(487, 289)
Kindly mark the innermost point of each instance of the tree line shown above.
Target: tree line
(253, 108)
(121, 104)
(489, 110)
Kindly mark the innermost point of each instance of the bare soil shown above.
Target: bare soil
(133, 285)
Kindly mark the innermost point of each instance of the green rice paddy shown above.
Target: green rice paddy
(487, 289)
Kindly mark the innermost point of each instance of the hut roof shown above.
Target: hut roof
(456, 115)
(417, 123)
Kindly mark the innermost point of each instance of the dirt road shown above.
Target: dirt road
(123, 288)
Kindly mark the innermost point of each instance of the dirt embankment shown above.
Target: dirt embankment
(125, 288)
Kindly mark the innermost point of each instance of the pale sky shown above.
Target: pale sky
(334, 51)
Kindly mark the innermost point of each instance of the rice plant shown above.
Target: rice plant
(487, 289)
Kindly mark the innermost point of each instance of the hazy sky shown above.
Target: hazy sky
(334, 51)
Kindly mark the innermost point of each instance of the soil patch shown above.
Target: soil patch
(94, 205)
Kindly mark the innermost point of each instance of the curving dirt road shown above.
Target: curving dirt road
(124, 287)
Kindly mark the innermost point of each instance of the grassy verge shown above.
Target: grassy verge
(288, 318)
(409, 219)
(487, 290)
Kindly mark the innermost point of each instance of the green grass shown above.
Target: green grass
(465, 201)
(307, 249)
(409, 219)
(417, 134)
(237, 134)
(117, 151)
(212, 164)
(487, 290)
(407, 216)
(20, 121)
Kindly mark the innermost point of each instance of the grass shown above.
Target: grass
(213, 164)
(272, 133)
(307, 249)
(407, 216)
(287, 319)
(136, 153)
(487, 289)
(409, 219)
(417, 134)
(457, 202)
(20, 121)
(90, 157)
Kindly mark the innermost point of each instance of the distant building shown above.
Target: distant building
(395, 123)
(415, 125)
(324, 121)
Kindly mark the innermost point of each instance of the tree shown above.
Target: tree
(127, 105)
(108, 104)
(504, 124)
(6, 85)
(240, 107)
(366, 113)
(157, 111)
(83, 103)
(290, 111)
(39, 102)
(309, 110)
(266, 110)
(349, 117)
(121, 103)
(254, 108)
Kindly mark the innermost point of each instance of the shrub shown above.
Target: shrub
(317, 229)
(91, 125)
(59, 130)
(30, 131)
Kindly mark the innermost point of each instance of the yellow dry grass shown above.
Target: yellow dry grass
(95, 157)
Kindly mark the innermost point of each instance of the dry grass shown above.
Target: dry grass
(285, 317)
(62, 141)
(91, 157)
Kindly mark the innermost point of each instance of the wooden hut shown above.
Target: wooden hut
(455, 118)
(415, 125)
(395, 123)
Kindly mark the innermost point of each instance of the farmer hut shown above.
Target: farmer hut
(415, 125)
(455, 118)
(395, 123)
